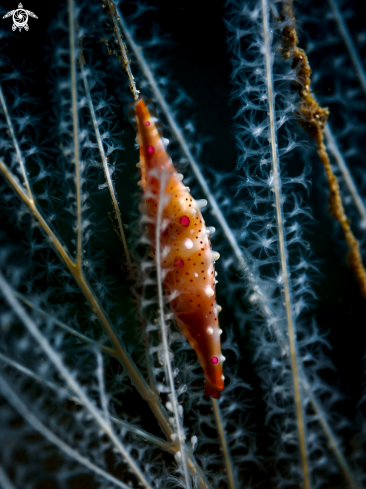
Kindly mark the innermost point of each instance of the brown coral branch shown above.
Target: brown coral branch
(312, 118)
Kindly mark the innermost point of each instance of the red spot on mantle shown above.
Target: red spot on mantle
(178, 262)
(184, 220)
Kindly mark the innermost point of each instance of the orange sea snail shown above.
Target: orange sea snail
(188, 259)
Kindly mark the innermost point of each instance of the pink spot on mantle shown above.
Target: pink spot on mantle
(147, 123)
(214, 360)
(184, 220)
(178, 262)
(151, 150)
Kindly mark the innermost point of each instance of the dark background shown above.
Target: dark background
(197, 59)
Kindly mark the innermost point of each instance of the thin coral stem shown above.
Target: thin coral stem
(312, 118)
(26, 199)
(347, 39)
(106, 349)
(257, 298)
(77, 272)
(282, 245)
(104, 159)
(164, 337)
(223, 443)
(191, 461)
(121, 353)
(333, 148)
(159, 442)
(336, 209)
(75, 124)
(332, 440)
(321, 416)
(24, 411)
(124, 58)
(5, 482)
(102, 388)
(177, 133)
(70, 380)
(20, 157)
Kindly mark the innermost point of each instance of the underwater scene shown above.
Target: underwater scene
(182, 244)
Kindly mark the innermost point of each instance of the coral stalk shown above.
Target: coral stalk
(312, 118)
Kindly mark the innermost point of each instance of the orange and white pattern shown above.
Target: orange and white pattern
(187, 259)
